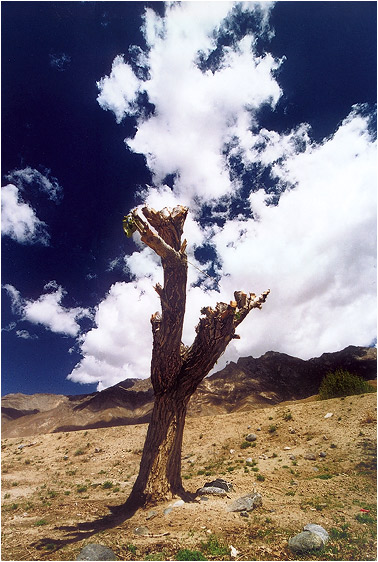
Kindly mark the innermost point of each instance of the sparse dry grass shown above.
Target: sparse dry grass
(54, 501)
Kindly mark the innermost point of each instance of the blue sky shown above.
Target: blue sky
(258, 116)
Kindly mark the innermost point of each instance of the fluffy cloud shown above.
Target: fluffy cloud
(120, 345)
(19, 220)
(47, 310)
(196, 111)
(315, 248)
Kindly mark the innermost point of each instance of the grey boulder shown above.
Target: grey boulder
(246, 503)
(307, 541)
(96, 551)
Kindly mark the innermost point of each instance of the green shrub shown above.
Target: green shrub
(186, 554)
(214, 547)
(342, 383)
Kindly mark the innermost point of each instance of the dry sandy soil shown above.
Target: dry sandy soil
(57, 489)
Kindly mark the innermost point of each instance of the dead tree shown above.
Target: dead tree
(177, 370)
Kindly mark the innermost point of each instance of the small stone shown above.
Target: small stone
(333, 445)
(179, 503)
(251, 437)
(318, 530)
(315, 469)
(292, 430)
(151, 514)
(232, 451)
(141, 531)
(306, 541)
(246, 503)
(328, 415)
(309, 456)
(243, 514)
(211, 491)
(292, 457)
(325, 438)
(97, 450)
(96, 551)
(258, 429)
(322, 454)
(287, 448)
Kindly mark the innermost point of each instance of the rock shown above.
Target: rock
(287, 448)
(258, 429)
(306, 541)
(251, 437)
(246, 503)
(328, 415)
(94, 551)
(318, 530)
(179, 503)
(220, 483)
(211, 491)
(151, 514)
(309, 456)
(322, 454)
(141, 531)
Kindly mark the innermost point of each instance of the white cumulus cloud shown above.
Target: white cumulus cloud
(48, 311)
(19, 220)
(19, 217)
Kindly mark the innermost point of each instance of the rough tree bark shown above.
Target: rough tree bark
(177, 370)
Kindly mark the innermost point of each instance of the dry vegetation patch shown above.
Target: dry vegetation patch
(57, 489)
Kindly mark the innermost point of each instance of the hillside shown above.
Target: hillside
(250, 383)
(59, 490)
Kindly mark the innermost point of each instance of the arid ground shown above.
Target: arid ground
(58, 489)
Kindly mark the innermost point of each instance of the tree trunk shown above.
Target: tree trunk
(176, 370)
(159, 476)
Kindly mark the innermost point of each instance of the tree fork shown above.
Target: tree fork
(177, 370)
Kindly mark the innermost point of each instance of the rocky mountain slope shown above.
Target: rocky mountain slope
(249, 383)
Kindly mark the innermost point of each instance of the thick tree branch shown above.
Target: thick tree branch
(165, 240)
(214, 333)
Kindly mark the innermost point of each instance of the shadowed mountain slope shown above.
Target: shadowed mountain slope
(249, 383)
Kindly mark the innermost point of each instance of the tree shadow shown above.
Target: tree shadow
(118, 515)
(76, 533)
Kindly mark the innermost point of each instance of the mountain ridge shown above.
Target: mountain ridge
(249, 383)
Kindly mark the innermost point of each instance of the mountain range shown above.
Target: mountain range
(247, 384)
